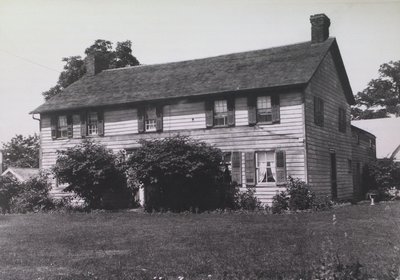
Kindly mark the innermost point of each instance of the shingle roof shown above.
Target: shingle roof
(275, 67)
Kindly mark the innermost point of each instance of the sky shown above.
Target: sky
(36, 34)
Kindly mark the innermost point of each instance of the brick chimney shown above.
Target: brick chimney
(92, 65)
(319, 28)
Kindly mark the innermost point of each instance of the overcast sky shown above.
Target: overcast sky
(36, 34)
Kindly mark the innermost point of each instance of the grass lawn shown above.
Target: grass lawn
(129, 245)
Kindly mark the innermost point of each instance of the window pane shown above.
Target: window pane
(265, 169)
(220, 106)
(263, 102)
(92, 123)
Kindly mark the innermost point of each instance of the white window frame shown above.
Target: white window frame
(92, 124)
(150, 123)
(221, 114)
(264, 108)
(62, 127)
(270, 164)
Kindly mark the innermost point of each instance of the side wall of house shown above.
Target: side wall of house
(324, 141)
(364, 151)
(187, 117)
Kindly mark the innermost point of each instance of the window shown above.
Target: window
(265, 167)
(150, 118)
(220, 113)
(372, 143)
(318, 111)
(342, 120)
(92, 124)
(62, 127)
(349, 166)
(264, 109)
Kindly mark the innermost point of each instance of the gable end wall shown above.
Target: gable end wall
(321, 140)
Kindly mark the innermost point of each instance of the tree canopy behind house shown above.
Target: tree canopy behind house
(382, 95)
(109, 58)
(22, 151)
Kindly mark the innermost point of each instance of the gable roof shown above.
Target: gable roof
(21, 174)
(291, 65)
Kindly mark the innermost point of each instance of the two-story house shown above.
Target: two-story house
(276, 112)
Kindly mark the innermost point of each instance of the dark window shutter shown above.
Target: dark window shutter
(252, 109)
(100, 123)
(83, 125)
(209, 106)
(53, 123)
(318, 111)
(250, 169)
(276, 116)
(280, 167)
(140, 115)
(236, 167)
(70, 126)
(159, 121)
(231, 111)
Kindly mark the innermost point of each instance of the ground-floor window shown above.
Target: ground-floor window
(265, 167)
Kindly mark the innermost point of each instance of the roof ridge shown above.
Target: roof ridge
(210, 57)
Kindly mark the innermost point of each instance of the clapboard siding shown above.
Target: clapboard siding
(321, 140)
(188, 118)
(117, 122)
(363, 154)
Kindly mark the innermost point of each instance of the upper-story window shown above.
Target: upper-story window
(342, 120)
(61, 126)
(263, 109)
(92, 124)
(318, 111)
(220, 113)
(150, 118)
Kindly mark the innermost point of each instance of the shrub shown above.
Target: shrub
(298, 196)
(280, 203)
(382, 176)
(95, 174)
(33, 195)
(248, 201)
(179, 174)
(9, 188)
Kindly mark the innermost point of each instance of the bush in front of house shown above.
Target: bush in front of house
(32, 195)
(181, 174)
(298, 196)
(9, 188)
(383, 178)
(247, 200)
(95, 174)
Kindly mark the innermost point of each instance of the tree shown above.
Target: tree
(382, 95)
(22, 151)
(93, 173)
(75, 68)
(179, 174)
